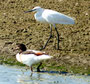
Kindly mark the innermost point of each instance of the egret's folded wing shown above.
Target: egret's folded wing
(55, 17)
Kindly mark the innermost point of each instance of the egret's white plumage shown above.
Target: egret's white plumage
(30, 57)
(51, 17)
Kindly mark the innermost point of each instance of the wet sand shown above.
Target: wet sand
(18, 27)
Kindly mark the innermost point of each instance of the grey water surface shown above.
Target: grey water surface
(13, 75)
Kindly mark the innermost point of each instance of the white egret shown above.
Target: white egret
(30, 57)
(51, 17)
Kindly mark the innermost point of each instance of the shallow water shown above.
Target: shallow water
(13, 75)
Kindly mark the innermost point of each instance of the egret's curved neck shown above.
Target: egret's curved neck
(39, 13)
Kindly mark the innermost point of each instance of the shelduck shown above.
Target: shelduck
(30, 57)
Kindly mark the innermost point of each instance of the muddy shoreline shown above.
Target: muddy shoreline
(18, 27)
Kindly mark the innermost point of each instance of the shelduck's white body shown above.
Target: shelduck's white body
(30, 59)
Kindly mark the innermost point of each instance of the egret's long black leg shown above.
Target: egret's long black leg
(38, 68)
(57, 37)
(49, 37)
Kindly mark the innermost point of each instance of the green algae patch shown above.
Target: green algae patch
(49, 66)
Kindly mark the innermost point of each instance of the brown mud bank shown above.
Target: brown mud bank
(18, 27)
